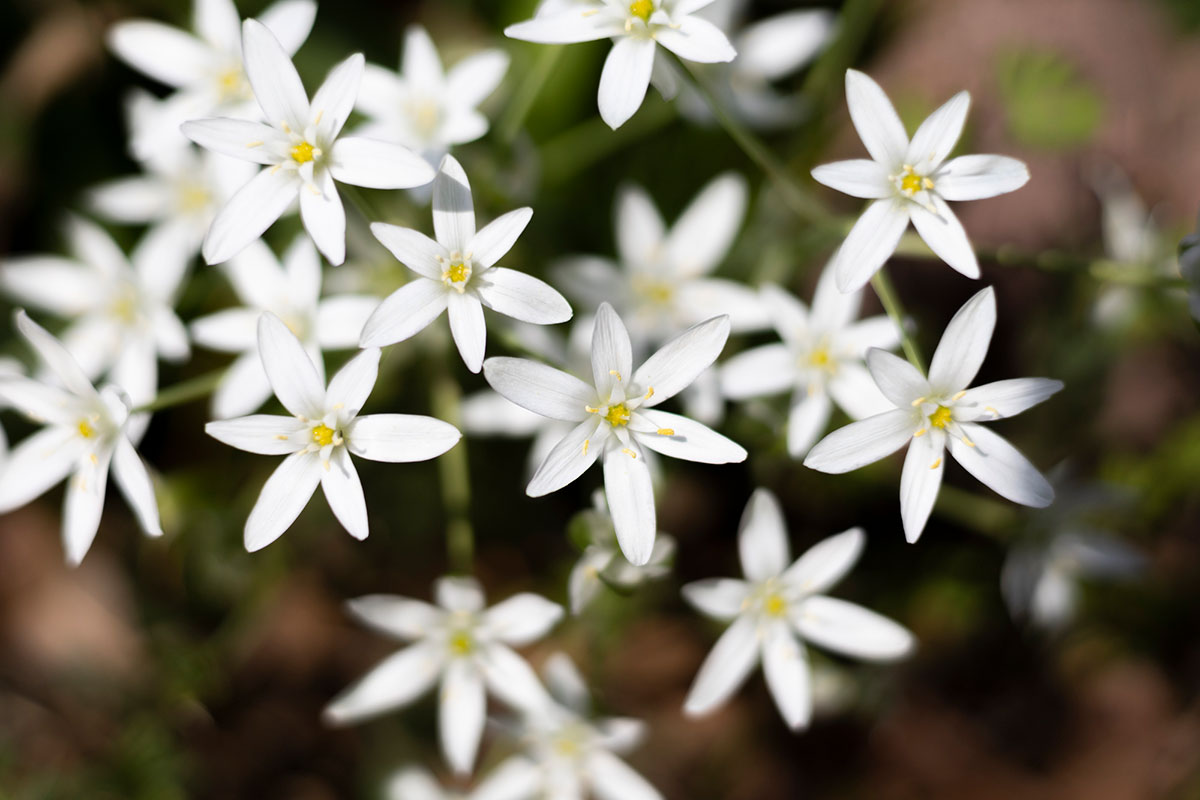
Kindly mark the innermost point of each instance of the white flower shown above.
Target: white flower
(458, 274)
(636, 28)
(777, 608)
(121, 308)
(820, 360)
(206, 69)
(457, 641)
(9, 367)
(910, 180)
(615, 418)
(939, 412)
(85, 434)
(662, 283)
(324, 429)
(602, 562)
(292, 292)
(509, 781)
(426, 108)
(301, 150)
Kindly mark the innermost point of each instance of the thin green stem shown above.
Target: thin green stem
(882, 284)
(361, 202)
(453, 473)
(527, 93)
(186, 392)
(573, 151)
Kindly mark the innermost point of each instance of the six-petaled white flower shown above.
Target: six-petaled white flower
(323, 430)
(85, 434)
(459, 642)
(820, 360)
(636, 29)
(778, 608)
(292, 292)
(910, 180)
(457, 274)
(615, 418)
(939, 412)
(302, 152)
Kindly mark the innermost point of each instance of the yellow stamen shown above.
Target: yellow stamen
(941, 417)
(317, 118)
(461, 643)
(958, 397)
(322, 435)
(666, 431)
(591, 409)
(642, 9)
(458, 272)
(615, 374)
(85, 430)
(920, 433)
(586, 442)
(628, 452)
(650, 393)
(92, 458)
(967, 442)
(617, 416)
(302, 153)
(819, 357)
(936, 464)
(775, 606)
(918, 401)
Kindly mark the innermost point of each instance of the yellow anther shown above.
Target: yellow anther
(775, 605)
(325, 465)
(283, 126)
(194, 197)
(86, 430)
(819, 357)
(918, 401)
(322, 435)
(282, 437)
(967, 442)
(458, 272)
(586, 442)
(461, 643)
(920, 433)
(255, 143)
(591, 409)
(642, 9)
(617, 416)
(615, 374)
(303, 153)
(911, 182)
(92, 458)
(941, 417)
(317, 118)
(994, 411)
(628, 452)
(649, 393)
(958, 396)
(666, 431)
(936, 464)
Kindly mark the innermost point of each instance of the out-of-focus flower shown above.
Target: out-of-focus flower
(602, 562)
(615, 418)
(121, 308)
(459, 642)
(205, 68)
(939, 412)
(292, 292)
(426, 108)
(777, 608)
(458, 274)
(324, 429)
(9, 368)
(910, 180)
(85, 435)
(301, 150)
(1189, 267)
(820, 360)
(509, 781)
(636, 29)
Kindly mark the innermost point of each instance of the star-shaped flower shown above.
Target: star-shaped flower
(302, 152)
(292, 292)
(910, 180)
(820, 360)
(615, 418)
(458, 274)
(778, 608)
(459, 642)
(636, 28)
(324, 429)
(939, 412)
(85, 434)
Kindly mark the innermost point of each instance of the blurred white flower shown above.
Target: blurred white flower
(635, 28)
(324, 429)
(85, 434)
(292, 292)
(121, 309)
(9, 367)
(939, 412)
(458, 274)
(459, 642)
(301, 150)
(602, 562)
(615, 418)
(205, 68)
(910, 180)
(820, 360)
(777, 608)
(1189, 268)
(424, 107)
(509, 781)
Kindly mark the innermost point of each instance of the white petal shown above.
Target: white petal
(765, 370)
(471, 80)
(468, 328)
(257, 276)
(613, 779)
(56, 357)
(630, 494)
(396, 681)
(871, 332)
(696, 39)
(640, 229)
(762, 538)
(239, 138)
(625, 78)
(920, 481)
(870, 243)
(678, 362)
(340, 320)
(461, 714)
(689, 440)
(860, 177)
(276, 83)
(539, 388)
(876, 120)
(826, 562)
(250, 211)
(378, 165)
(38, 463)
(324, 218)
(851, 630)
(511, 679)
(292, 374)
(83, 505)
(612, 353)
(496, 238)
(785, 666)
(979, 176)
(726, 668)
(413, 784)
(135, 484)
(938, 134)
(349, 388)
(290, 21)
(584, 584)
(998, 465)
(265, 434)
(459, 594)
(335, 98)
(283, 497)
(397, 438)
(413, 249)
(703, 234)
(404, 313)
(720, 598)
(899, 381)
(217, 21)
(590, 280)
(522, 297)
(964, 344)
(521, 619)
(1004, 398)
(945, 236)
(702, 298)
(166, 54)
(807, 419)
(453, 209)
(568, 460)
(243, 388)
(131, 200)
(63, 287)
(395, 616)
(833, 310)
(861, 443)
(91, 245)
(344, 493)
(567, 27)
(161, 260)
(518, 778)
(41, 402)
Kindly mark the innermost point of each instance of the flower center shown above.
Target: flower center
(426, 115)
(193, 197)
(303, 153)
(231, 84)
(941, 417)
(774, 605)
(618, 415)
(910, 182)
(86, 430)
(642, 9)
(125, 306)
(461, 643)
(457, 274)
(656, 292)
(322, 435)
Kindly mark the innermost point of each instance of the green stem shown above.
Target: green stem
(882, 284)
(527, 93)
(455, 478)
(361, 202)
(186, 392)
(571, 152)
